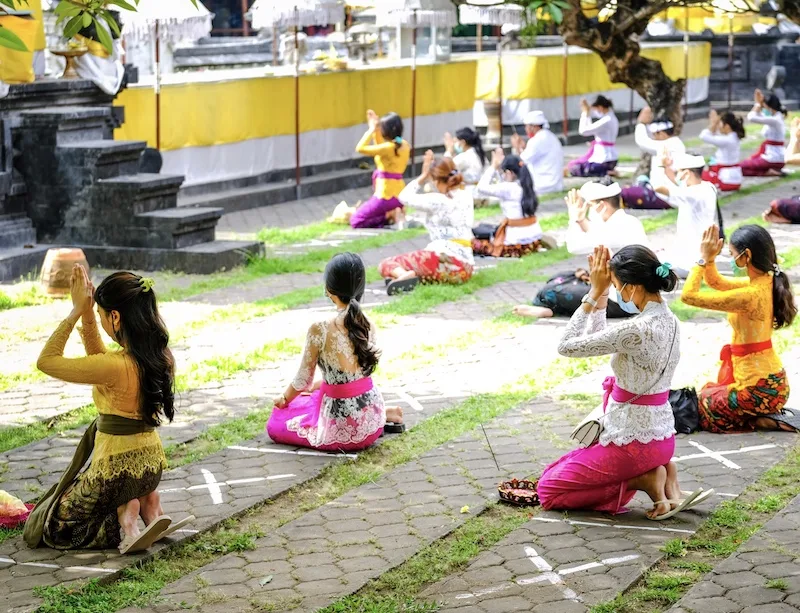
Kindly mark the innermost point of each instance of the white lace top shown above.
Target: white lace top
(341, 420)
(640, 347)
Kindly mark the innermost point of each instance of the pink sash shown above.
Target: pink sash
(382, 174)
(585, 158)
(347, 390)
(612, 390)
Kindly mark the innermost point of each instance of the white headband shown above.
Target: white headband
(660, 126)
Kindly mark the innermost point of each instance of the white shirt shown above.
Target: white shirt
(605, 129)
(697, 211)
(448, 217)
(774, 130)
(510, 195)
(639, 347)
(728, 152)
(620, 230)
(656, 148)
(469, 165)
(544, 156)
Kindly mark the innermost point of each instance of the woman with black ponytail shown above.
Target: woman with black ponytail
(519, 233)
(133, 389)
(466, 150)
(769, 160)
(344, 411)
(725, 132)
(752, 388)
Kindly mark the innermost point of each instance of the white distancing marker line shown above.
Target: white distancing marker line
(572, 522)
(408, 399)
(591, 565)
(320, 454)
(213, 487)
(82, 569)
(719, 456)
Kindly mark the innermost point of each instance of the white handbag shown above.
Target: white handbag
(588, 432)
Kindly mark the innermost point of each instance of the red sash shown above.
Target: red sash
(767, 143)
(726, 356)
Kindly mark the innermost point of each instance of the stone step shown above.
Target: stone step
(136, 194)
(254, 196)
(181, 227)
(19, 262)
(222, 59)
(102, 159)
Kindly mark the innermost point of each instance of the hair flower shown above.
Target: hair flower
(398, 140)
(147, 284)
(663, 270)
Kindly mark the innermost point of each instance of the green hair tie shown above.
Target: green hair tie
(663, 270)
(147, 284)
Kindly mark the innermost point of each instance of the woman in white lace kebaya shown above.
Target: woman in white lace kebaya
(345, 411)
(635, 449)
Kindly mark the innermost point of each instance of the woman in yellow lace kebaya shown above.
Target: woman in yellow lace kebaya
(752, 388)
(133, 392)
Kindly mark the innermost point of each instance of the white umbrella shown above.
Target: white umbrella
(412, 14)
(300, 14)
(171, 22)
(478, 12)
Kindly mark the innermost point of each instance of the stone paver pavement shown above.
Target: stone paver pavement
(763, 576)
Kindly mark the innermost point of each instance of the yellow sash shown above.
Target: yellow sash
(95, 48)
(461, 241)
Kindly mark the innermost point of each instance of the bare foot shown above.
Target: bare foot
(612, 173)
(394, 415)
(150, 507)
(773, 217)
(654, 485)
(767, 423)
(773, 173)
(672, 488)
(128, 516)
(526, 310)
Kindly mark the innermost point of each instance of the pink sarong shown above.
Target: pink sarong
(303, 424)
(596, 478)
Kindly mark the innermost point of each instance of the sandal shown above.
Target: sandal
(699, 499)
(405, 285)
(788, 417)
(681, 505)
(394, 428)
(146, 537)
(173, 528)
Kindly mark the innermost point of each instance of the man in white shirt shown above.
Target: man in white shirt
(656, 138)
(696, 201)
(543, 154)
(610, 225)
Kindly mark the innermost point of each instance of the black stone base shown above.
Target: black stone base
(21, 264)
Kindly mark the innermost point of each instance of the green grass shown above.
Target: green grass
(17, 436)
(8, 381)
(440, 559)
(30, 297)
(299, 234)
(777, 584)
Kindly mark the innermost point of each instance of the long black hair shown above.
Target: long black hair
(145, 338)
(734, 122)
(773, 102)
(603, 102)
(391, 126)
(473, 139)
(346, 279)
(764, 258)
(529, 200)
(638, 265)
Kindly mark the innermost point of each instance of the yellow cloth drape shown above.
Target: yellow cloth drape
(17, 66)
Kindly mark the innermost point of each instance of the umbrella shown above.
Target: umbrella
(493, 15)
(412, 14)
(171, 22)
(300, 14)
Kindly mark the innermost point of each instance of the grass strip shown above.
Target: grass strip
(686, 561)
(140, 586)
(32, 296)
(18, 436)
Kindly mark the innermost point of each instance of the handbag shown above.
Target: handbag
(588, 432)
(685, 409)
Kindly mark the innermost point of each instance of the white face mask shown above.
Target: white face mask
(595, 114)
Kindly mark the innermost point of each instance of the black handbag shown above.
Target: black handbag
(685, 409)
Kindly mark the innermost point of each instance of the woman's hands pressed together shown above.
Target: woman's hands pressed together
(427, 164)
(373, 120)
(82, 293)
(711, 245)
(599, 273)
(497, 158)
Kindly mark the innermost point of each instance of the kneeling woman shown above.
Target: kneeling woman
(725, 132)
(519, 233)
(133, 392)
(635, 449)
(751, 389)
(344, 412)
(449, 215)
(787, 210)
(769, 160)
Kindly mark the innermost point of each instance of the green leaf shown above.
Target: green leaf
(127, 6)
(560, 4)
(111, 23)
(87, 20)
(73, 26)
(10, 40)
(555, 13)
(104, 36)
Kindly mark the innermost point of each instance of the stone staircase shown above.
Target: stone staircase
(93, 196)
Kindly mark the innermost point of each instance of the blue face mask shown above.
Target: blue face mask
(629, 306)
(738, 271)
(458, 148)
(766, 113)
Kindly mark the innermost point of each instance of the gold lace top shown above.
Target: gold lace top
(749, 307)
(115, 391)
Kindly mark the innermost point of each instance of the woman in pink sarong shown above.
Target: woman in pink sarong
(345, 411)
(634, 451)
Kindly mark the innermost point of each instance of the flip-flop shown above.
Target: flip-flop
(146, 537)
(790, 417)
(681, 505)
(173, 528)
(401, 286)
(394, 428)
(700, 499)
